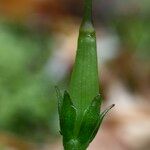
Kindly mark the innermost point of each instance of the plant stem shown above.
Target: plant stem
(87, 17)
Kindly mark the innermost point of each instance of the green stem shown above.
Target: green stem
(87, 11)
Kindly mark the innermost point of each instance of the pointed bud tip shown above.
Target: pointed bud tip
(107, 110)
(113, 105)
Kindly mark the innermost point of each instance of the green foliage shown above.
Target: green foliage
(135, 33)
(25, 106)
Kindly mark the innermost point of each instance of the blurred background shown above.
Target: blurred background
(38, 40)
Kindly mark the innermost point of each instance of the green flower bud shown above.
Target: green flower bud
(79, 110)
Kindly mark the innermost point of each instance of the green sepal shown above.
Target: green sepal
(102, 115)
(67, 117)
(90, 121)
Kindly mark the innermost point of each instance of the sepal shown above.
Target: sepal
(102, 115)
(67, 117)
(90, 121)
